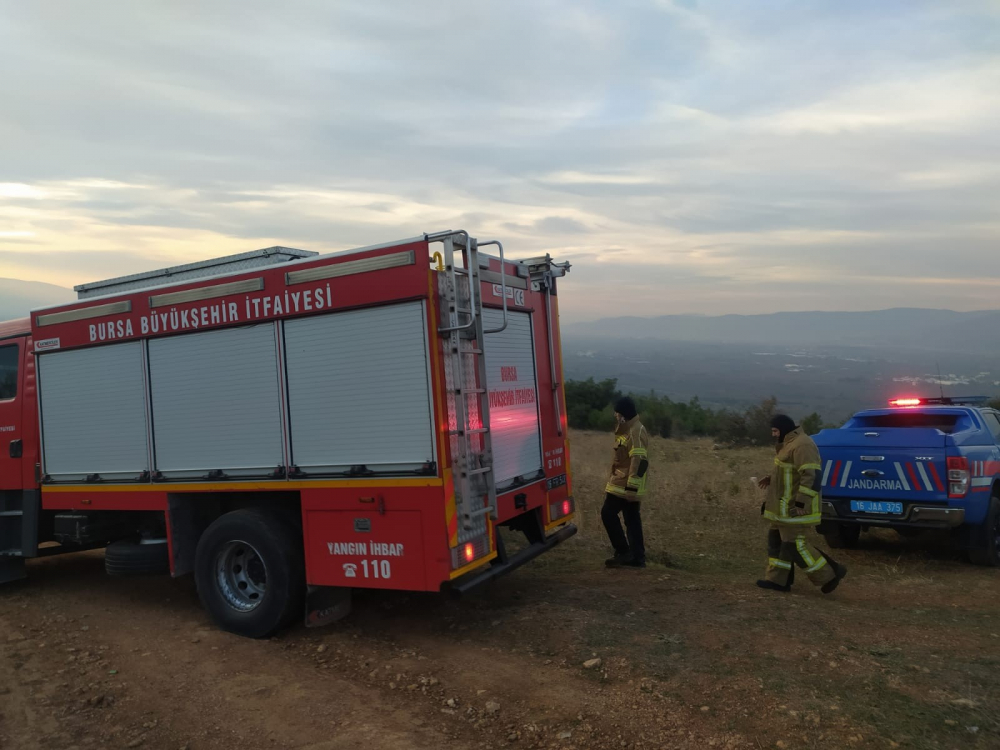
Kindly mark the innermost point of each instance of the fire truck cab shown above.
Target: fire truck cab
(288, 426)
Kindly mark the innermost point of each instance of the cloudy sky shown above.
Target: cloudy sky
(685, 155)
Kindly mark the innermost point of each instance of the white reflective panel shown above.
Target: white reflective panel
(513, 390)
(216, 402)
(93, 408)
(358, 390)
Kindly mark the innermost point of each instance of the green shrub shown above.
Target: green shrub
(589, 406)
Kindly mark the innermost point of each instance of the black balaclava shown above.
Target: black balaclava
(626, 407)
(784, 424)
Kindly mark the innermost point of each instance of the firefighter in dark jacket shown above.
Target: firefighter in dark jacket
(627, 487)
(793, 505)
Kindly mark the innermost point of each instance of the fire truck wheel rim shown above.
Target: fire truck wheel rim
(242, 576)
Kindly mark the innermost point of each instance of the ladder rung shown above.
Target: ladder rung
(468, 391)
(11, 512)
(477, 431)
(480, 512)
(484, 470)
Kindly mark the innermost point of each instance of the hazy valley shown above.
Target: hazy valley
(805, 360)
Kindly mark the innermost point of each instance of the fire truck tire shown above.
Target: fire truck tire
(987, 553)
(842, 535)
(129, 557)
(250, 573)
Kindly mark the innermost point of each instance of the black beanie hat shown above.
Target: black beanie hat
(784, 424)
(626, 407)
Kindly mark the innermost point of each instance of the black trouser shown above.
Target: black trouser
(634, 545)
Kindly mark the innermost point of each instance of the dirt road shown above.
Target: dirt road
(692, 654)
(89, 661)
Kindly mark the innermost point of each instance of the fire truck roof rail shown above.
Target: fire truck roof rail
(214, 267)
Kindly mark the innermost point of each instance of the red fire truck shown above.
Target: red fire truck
(288, 426)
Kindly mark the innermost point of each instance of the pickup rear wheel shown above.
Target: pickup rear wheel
(988, 550)
(250, 573)
(841, 535)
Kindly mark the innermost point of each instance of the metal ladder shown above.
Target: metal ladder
(465, 373)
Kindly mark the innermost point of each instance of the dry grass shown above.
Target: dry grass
(905, 654)
(702, 508)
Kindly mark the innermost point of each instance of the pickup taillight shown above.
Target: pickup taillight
(958, 476)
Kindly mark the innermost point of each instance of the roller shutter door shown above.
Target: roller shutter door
(513, 389)
(216, 402)
(93, 404)
(359, 392)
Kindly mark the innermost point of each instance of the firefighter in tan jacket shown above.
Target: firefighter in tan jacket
(627, 487)
(793, 505)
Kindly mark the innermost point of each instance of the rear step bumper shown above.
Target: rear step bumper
(916, 517)
(474, 580)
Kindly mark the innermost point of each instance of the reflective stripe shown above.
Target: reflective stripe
(923, 475)
(847, 473)
(786, 496)
(782, 464)
(902, 476)
(807, 467)
(618, 491)
(812, 518)
(817, 566)
(800, 545)
(807, 491)
(776, 563)
(641, 452)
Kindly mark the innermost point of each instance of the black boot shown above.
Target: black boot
(772, 586)
(839, 572)
(620, 558)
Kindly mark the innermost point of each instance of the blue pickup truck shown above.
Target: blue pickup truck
(928, 463)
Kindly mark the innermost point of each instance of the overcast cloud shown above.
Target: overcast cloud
(707, 157)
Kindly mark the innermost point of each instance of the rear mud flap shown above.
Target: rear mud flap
(326, 605)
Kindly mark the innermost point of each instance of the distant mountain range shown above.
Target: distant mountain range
(899, 328)
(18, 298)
(908, 328)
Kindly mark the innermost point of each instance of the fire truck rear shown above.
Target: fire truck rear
(288, 427)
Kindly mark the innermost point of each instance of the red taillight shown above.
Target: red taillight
(905, 402)
(566, 507)
(469, 552)
(958, 476)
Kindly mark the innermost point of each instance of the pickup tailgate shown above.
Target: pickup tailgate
(897, 464)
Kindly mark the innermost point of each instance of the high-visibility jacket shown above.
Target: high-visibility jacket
(794, 494)
(630, 464)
